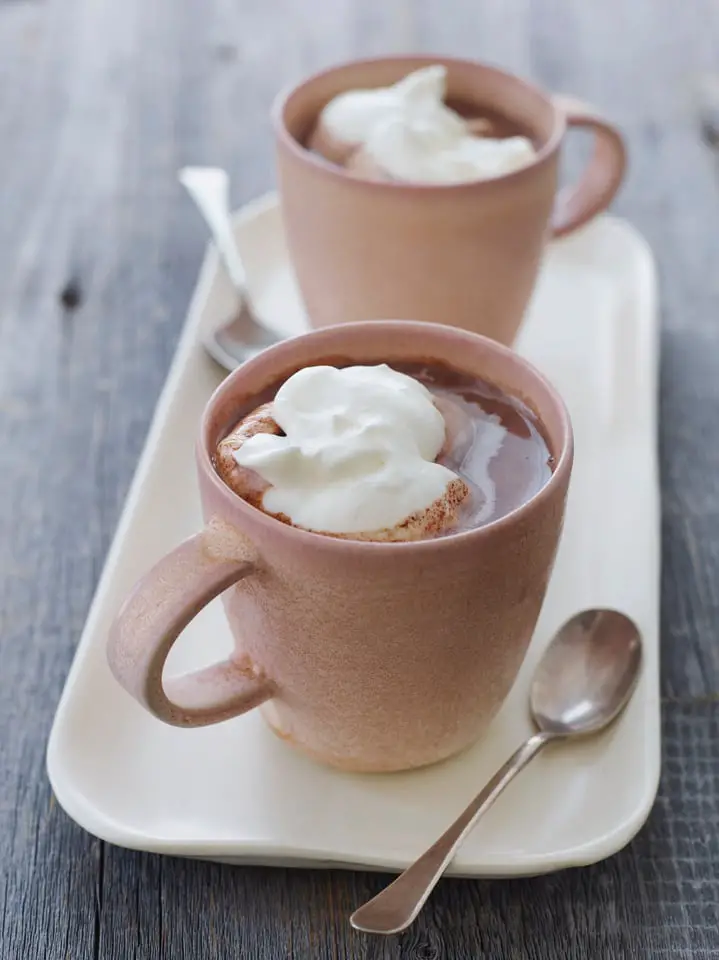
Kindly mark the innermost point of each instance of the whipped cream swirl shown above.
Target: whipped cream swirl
(411, 135)
(358, 452)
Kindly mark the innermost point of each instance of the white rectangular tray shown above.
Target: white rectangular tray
(235, 792)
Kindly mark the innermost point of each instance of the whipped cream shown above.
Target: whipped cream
(353, 116)
(411, 135)
(358, 452)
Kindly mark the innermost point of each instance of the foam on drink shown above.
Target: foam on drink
(357, 451)
(407, 133)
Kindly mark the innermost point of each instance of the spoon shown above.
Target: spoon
(243, 337)
(582, 683)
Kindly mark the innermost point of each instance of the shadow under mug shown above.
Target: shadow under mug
(368, 656)
(465, 254)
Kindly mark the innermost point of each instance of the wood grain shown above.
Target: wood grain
(100, 103)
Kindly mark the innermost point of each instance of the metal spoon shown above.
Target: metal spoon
(235, 341)
(583, 682)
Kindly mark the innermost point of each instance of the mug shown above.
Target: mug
(370, 656)
(464, 254)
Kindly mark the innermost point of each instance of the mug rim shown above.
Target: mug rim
(439, 332)
(290, 143)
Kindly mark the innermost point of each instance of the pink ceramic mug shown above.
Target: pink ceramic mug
(466, 254)
(367, 656)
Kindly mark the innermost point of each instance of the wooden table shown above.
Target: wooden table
(100, 102)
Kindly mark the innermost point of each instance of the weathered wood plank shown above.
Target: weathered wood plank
(100, 103)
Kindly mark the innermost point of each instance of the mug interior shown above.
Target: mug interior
(472, 88)
(380, 341)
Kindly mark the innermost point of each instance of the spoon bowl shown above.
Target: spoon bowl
(587, 674)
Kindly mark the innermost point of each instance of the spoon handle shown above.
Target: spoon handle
(209, 188)
(395, 907)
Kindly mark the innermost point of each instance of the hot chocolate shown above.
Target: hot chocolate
(407, 133)
(408, 452)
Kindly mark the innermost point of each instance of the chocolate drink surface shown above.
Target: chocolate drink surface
(494, 442)
(489, 454)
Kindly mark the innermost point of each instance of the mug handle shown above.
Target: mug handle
(161, 605)
(576, 205)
